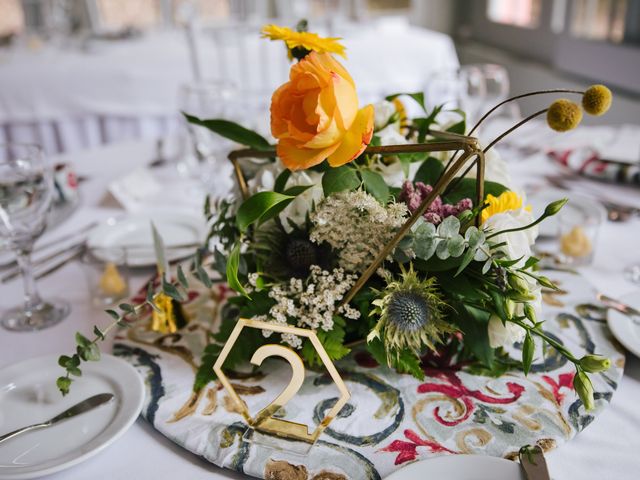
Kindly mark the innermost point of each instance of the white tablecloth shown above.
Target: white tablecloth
(69, 99)
(608, 448)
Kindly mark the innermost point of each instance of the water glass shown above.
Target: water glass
(107, 275)
(26, 193)
(578, 234)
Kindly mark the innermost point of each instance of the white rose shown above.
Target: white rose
(504, 335)
(517, 244)
(382, 113)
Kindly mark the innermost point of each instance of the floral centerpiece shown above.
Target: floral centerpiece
(358, 227)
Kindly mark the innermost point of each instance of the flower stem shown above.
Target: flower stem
(555, 344)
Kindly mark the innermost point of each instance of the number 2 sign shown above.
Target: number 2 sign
(264, 421)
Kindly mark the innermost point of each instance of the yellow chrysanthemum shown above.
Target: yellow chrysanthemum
(596, 100)
(564, 115)
(503, 203)
(307, 40)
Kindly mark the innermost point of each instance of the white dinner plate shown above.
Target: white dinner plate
(28, 395)
(623, 328)
(461, 467)
(175, 227)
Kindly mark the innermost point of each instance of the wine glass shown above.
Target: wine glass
(26, 192)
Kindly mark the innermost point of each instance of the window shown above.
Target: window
(11, 17)
(599, 19)
(120, 14)
(520, 13)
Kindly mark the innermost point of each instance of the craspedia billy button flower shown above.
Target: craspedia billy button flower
(596, 100)
(410, 311)
(564, 115)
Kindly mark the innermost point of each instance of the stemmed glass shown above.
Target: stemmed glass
(26, 192)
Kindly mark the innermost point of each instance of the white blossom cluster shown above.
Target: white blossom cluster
(357, 226)
(309, 303)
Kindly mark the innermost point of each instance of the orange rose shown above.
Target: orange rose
(315, 115)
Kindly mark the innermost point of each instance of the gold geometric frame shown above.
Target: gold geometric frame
(264, 421)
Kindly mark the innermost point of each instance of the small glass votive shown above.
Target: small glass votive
(579, 224)
(107, 275)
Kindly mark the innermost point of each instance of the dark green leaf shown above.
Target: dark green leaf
(531, 261)
(339, 179)
(126, 307)
(81, 340)
(429, 172)
(204, 278)
(113, 314)
(466, 188)
(297, 190)
(281, 181)
(232, 131)
(375, 185)
(260, 206)
(459, 127)
(233, 263)
(527, 353)
(473, 323)
(64, 361)
(98, 333)
(75, 371)
(158, 246)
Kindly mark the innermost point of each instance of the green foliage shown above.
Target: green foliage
(473, 323)
(528, 349)
(232, 131)
(429, 172)
(466, 188)
(403, 361)
(261, 207)
(339, 179)
(332, 341)
(233, 263)
(375, 185)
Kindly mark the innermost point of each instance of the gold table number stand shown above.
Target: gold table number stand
(264, 421)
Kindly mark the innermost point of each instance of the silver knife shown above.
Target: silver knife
(82, 407)
(533, 463)
(632, 313)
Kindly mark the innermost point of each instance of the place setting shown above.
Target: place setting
(309, 280)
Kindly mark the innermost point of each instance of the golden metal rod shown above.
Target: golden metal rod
(242, 183)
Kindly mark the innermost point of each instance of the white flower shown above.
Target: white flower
(382, 113)
(301, 205)
(517, 244)
(495, 169)
(504, 335)
(265, 179)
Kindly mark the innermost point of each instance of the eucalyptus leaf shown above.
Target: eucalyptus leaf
(339, 179)
(456, 246)
(425, 247)
(449, 227)
(181, 278)
(442, 249)
(232, 131)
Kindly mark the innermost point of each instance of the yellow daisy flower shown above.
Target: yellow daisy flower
(307, 40)
(503, 203)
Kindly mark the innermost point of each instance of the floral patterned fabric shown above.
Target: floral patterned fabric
(391, 419)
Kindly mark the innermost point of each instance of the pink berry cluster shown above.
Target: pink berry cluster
(438, 210)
